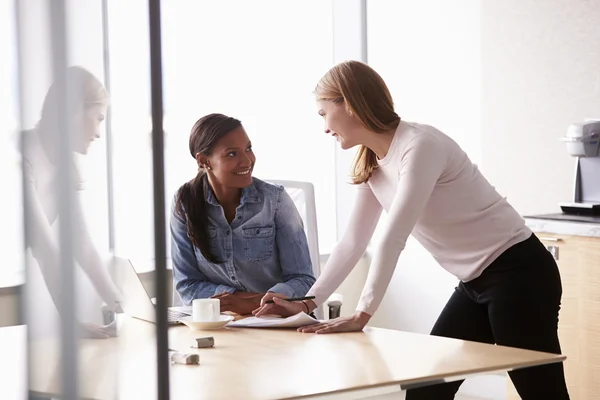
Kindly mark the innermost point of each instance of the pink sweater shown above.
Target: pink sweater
(430, 189)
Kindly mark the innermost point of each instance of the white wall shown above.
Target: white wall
(504, 79)
(540, 73)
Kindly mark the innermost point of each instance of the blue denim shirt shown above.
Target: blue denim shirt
(263, 249)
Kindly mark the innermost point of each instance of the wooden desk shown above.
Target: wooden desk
(263, 364)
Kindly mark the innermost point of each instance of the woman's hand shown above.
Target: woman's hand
(281, 307)
(242, 303)
(92, 331)
(353, 323)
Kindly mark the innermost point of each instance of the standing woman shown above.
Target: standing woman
(509, 290)
(85, 110)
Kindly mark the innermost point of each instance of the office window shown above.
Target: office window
(11, 212)
(256, 61)
(428, 53)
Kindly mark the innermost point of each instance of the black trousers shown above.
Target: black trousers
(514, 302)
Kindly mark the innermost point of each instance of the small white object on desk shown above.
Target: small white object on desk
(204, 342)
(185, 358)
(295, 321)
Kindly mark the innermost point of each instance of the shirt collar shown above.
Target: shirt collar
(249, 195)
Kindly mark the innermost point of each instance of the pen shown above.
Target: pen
(293, 299)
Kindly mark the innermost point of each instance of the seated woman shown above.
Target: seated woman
(234, 237)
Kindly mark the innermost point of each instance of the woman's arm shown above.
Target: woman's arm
(39, 238)
(88, 257)
(351, 247)
(190, 282)
(292, 246)
(422, 164)
(44, 248)
(343, 258)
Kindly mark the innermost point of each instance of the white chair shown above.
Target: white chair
(303, 196)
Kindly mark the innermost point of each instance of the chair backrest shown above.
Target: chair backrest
(303, 196)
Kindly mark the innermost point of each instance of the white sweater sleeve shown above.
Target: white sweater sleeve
(87, 256)
(347, 252)
(423, 162)
(45, 249)
(40, 238)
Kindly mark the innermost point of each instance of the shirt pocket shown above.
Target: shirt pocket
(258, 242)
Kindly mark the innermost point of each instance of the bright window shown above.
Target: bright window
(257, 61)
(11, 212)
(430, 61)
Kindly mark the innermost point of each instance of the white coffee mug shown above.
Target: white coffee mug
(206, 310)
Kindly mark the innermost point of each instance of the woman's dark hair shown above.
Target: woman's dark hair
(191, 202)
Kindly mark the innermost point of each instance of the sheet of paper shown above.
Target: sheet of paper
(184, 309)
(295, 321)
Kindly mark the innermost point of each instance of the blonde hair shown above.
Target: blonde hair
(366, 96)
(83, 90)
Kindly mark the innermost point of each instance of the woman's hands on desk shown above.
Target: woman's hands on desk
(242, 303)
(284, 308)
(353, 323)
(92, 331)
(281, 307)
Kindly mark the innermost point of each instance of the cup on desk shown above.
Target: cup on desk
(206, 310)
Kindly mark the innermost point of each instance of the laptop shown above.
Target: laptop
(135, 300)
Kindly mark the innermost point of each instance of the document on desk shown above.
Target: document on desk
(295, 321)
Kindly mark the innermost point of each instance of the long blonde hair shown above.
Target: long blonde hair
(84, 90)
(366, 96)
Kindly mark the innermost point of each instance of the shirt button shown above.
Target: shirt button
(239, 217)
(257, 231)
(228, 232)
(233, 278)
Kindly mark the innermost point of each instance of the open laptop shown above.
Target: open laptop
(135, 299)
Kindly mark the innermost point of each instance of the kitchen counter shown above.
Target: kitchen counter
(564, 224)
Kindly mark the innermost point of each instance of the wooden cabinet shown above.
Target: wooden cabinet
(578, 258)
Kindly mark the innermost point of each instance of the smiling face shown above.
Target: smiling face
(339, 123)
(87, 127)
(231, 160)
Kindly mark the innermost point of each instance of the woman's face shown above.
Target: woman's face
(87, 127)
(340, 124)
(232, 160)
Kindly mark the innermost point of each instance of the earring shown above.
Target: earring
(207, 167)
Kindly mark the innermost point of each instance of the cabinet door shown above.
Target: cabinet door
(567, 254)
(589, 308)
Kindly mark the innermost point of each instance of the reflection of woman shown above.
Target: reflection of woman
(86, 108)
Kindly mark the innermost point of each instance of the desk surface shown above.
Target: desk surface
(258, 363)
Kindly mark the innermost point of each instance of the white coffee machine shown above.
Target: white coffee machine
(583, 143)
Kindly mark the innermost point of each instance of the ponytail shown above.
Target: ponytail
(365, 162)
(191, 207)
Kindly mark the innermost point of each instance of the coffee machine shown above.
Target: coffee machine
(583, 143)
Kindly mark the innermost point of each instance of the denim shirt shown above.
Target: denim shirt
(263, 249)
